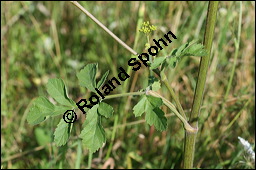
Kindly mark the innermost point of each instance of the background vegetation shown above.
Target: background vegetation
(42, 40)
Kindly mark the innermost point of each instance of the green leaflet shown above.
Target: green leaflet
(157, 62)
(189, 49)
(102, 80)
(93, 134)
(172, 61)
(57, 90)
(196, 50)
(87, 77)
(60, 110)
(140, 107)
(61, 133)
(35, 116)
(156, 85)
(154, 116)
(105, 110)
(157, 118)
(41, 108)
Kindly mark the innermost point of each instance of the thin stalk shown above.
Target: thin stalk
(150, 61)
(124, 94)
(103, 27)
(90, 160)
(190, 138)
(79, 155)
(175, 98)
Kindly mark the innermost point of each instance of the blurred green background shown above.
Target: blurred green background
(42, 40)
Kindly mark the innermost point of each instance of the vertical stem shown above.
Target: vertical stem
(190, 138)
(90, 160)
(150, 82)
(79, 155)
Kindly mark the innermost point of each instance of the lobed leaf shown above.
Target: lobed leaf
(61, 133)
(93, 134)
(57, 90)
(156, 85)
(87, 76)
(41, 108)
(102, 80)
(105, 110)
(154, 115)
(140, 107)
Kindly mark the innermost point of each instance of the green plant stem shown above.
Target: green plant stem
(175, 98)
(150, 61)
(171, 91)
(103, 27)
(190, 138)
(90, 160)
(79, 155)
(124, 94)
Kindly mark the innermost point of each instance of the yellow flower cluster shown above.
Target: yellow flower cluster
(147, 28)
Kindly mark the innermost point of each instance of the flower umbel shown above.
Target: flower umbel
(146, 28)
